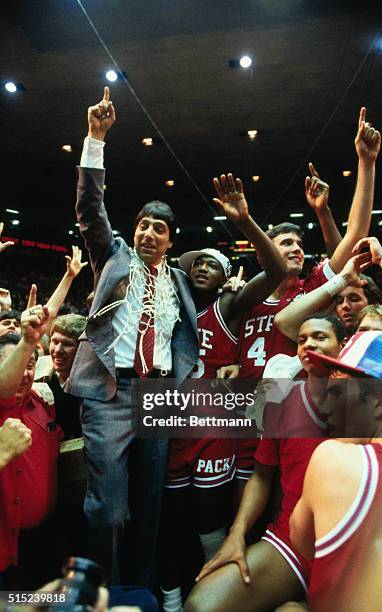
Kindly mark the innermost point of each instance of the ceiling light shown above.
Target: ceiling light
(70, 232)
(12, 210)
(148, 142)
(15, 222)
(256, 178)
(169, 183)
(296, 215)
(252, 134)
(310, 225)
(10, 87)
(346, 173)
(67, 148)
(245, 61)
(77, 224)
(104, 187)
(220, 218)
(376, 212)
(379, 222)
(111, 76)
(344, 223)
(209, 229)
(270, 226)
(177, 231)
(115, 232)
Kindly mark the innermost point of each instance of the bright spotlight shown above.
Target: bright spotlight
(10, 87)
(245, 61)
(111, 76)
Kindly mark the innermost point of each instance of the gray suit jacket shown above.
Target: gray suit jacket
(93, 373)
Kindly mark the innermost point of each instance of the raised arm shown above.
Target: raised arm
(231, 200)
(74, 265)
(367, 144)
(34, 323)
(317, 196)
(289, 319)
(91, 213)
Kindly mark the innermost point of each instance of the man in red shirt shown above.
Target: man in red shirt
(337, 522)
(28, 484)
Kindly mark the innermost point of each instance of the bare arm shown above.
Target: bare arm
(289, 319)
(317, 196)
(367, 143)
(74, 266)
(255, 497)
(33, 326)
(232, 202)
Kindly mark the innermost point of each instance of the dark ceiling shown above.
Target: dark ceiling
(315, 64)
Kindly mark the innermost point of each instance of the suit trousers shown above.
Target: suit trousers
(125, 486)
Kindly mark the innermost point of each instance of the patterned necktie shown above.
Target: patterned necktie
(144, 352)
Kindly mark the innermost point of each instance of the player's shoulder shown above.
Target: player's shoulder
(334, 459)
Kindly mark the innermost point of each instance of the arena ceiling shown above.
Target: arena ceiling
(315, 64)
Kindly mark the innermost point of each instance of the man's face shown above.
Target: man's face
(370, 323)
(290, 248)
(28, 375)
(10, 325)
(206, 273)
(316, 335)
(152, 240)
(356, 404)
(62, 350)
(349, 303)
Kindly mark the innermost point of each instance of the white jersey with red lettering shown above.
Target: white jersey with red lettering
(217, 344)
(259, 339)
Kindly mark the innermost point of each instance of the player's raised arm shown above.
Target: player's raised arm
(231, 200)
(367, 144)
(317, 196)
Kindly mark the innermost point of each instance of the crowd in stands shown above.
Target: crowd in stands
(270, 521)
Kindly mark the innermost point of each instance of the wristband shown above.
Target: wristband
(335, 285)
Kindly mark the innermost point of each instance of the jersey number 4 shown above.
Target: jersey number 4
(257, 352)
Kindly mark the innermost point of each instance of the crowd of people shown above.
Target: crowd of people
(263, 522)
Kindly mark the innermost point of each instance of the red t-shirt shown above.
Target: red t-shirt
(28, 484)
(293, 456)
(259, 339)
(296, 417)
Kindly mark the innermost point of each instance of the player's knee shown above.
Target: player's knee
(200, 600)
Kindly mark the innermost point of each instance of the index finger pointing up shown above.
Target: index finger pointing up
(362, 115)
(106, 94)
(240, 273)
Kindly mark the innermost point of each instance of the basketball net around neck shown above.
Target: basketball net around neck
(157, 303)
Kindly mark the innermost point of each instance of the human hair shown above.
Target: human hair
(157, 210)
(285, 228)
(335, 322)
(10, 314)
(11, 338)
(372, 292)
(72, 325)
(374, 310)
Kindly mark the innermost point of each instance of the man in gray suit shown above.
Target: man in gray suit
(142, 323)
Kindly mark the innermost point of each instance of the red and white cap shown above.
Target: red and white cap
(361, 355)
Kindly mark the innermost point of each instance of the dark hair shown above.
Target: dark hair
(335, 322)
(11, 338)
(371, 290)
(157, 210)
(10, 314)
(284, 228)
